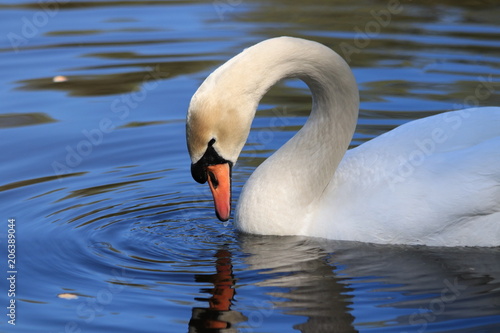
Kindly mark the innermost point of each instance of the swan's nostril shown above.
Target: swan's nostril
(213, 179)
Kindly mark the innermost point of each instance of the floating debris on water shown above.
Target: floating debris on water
(68, 296)
(60, 78)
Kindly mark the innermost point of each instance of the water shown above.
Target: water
(112, 234)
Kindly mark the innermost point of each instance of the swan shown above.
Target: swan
(433, 181)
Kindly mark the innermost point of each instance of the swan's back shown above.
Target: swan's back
(433, 181)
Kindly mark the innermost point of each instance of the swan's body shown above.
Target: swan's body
(433, 181)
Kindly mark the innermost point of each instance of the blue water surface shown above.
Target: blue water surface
(113, 235)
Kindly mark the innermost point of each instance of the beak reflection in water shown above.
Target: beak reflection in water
(218, 315)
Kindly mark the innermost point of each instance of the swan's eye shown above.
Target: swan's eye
(213, 179)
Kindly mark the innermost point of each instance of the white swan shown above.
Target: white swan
(433, 181)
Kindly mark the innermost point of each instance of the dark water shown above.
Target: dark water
(113, 235)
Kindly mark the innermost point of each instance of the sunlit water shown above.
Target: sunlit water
(113, 235)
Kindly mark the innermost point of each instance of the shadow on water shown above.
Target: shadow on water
(24, 119)
(111, 84)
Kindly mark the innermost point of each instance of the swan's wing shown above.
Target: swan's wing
(443, 132)
(434, 181)
(455, 196)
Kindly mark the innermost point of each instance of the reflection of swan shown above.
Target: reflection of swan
(218, 317)
(433, 181)
(304, 282)
(344, 286)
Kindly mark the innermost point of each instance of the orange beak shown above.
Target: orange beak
(219, 180)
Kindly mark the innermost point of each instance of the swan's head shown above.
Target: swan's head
(218, 123)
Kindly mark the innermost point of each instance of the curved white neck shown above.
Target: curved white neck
(307, 162)
(299, 171)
